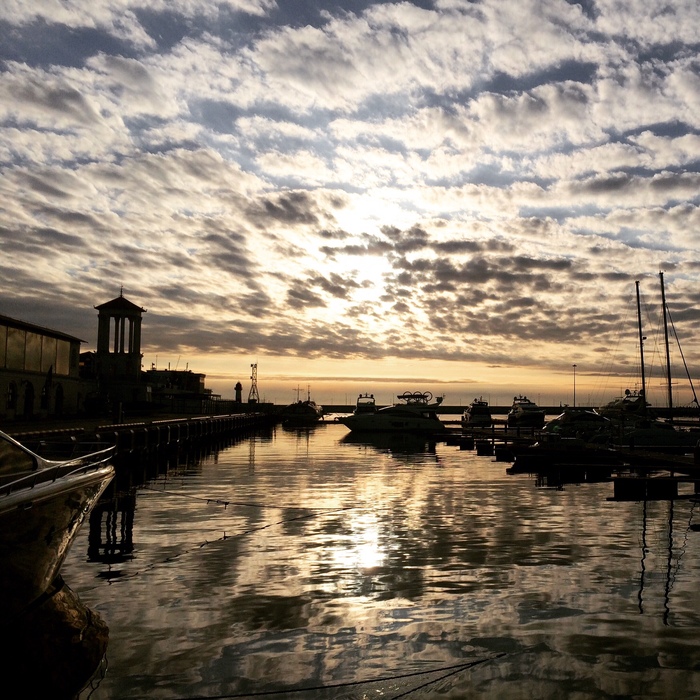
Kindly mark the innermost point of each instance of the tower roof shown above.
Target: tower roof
(121, 303)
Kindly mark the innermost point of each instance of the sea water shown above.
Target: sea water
(311, 563)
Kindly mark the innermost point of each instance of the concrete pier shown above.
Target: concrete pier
(144, 436)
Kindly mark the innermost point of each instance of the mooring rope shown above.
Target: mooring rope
(216, 501)
(225, 504)
(451, 671)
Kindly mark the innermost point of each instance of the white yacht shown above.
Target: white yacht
(416, 413)
(525, 413)
(477, 414)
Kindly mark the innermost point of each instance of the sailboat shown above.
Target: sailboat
(633, 420)
(632, 406)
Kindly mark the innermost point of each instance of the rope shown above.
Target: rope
(452, 670)
(216, 501)
(685, 364)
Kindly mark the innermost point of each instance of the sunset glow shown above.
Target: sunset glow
(366, 196)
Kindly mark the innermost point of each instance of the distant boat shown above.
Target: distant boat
(301, 413)
(416, 413)
(525, 413)
(42, 506)
(365, 404)
(576, 422)
(630, 406)
(477, 414)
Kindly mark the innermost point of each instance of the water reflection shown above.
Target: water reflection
(314, 560)
(405, 444)
(663, 546)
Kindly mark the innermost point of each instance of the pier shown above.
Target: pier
(149, 436)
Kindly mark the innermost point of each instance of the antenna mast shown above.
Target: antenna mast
(253, 396)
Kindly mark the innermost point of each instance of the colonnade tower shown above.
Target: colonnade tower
(118, 356)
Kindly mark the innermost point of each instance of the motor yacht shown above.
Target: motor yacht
(415, 412)
(525, 413)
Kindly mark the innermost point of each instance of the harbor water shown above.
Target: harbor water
(308, 563)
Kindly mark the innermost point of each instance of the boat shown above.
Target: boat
(634, 423)
(564, 453)
(525, 413)
(302, 413)
(477, 414)
(365, 403)
(630, 406)
(43, 503)
(577, 437)
(415, 413)
(577, 422)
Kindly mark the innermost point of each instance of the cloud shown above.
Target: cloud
(435, 182)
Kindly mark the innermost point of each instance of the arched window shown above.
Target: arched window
(12, 395)
(45, 395)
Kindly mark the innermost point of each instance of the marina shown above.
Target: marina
(335, 550)
(308, 562)
(347, 350)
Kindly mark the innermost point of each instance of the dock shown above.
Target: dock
(148, 436)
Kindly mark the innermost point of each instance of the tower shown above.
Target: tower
(253, 396)
(118, 356)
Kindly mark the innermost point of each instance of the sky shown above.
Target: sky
(439, 195)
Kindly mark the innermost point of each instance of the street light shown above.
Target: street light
(574, 386)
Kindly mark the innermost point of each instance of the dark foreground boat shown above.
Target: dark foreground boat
(577, 422)
(42, 506)
(555, 451)
(302, 413)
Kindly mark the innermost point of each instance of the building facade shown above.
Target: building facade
(39, 372)
(43, 373)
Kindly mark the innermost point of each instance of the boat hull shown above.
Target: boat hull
(478, 420)
(38, 523)
(374, 422)
(301, 414)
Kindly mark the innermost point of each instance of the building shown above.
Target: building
(39, 372)
(117, 361)
(179, 391)
(43, 373)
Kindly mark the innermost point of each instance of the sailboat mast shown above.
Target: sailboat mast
(641, 342)
(668, 355)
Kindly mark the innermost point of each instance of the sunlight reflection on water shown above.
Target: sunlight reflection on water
(307, 559)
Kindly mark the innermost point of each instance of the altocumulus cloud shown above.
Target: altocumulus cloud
(423, 180)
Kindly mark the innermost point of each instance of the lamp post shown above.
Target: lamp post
(574, 386)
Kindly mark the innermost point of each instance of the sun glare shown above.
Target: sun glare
(364, 550)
